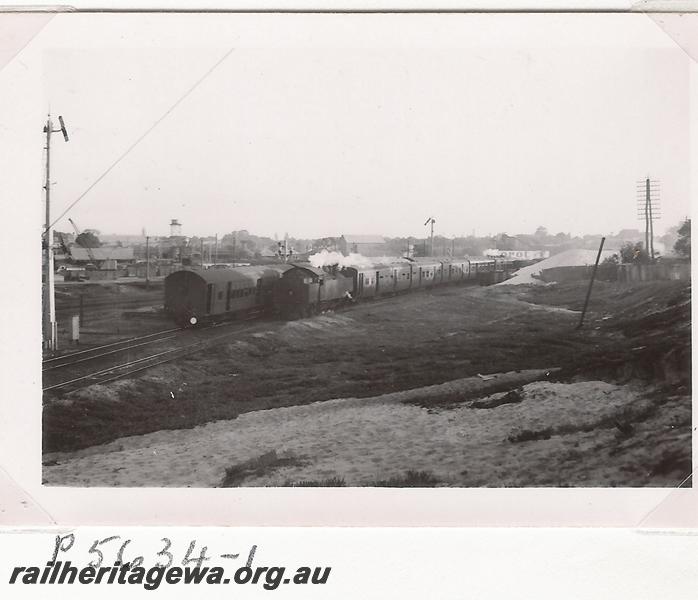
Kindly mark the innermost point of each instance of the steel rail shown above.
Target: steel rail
(95, 348)
(183, 350)
(108, 370)
(110, 352)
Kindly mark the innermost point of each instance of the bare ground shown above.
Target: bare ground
(616, 413)
(103, 307)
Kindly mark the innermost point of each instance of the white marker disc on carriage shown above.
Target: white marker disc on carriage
(193, 320)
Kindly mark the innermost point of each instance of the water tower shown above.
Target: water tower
(175, 228)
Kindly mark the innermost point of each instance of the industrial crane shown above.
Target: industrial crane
(89, 250)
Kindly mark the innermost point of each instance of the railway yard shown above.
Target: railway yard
(455, 386)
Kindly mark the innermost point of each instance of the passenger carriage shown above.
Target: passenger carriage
(193, 297)
(484, 270)
(364, 281)
(381, 279)
(456, 270)
(402, 272)
(426, 272)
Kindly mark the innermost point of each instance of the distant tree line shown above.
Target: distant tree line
(635, 252)
(87, 239)
(243, 245)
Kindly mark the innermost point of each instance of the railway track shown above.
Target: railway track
(73, 358)
(71, 372)
(80, 368)
(87, 367)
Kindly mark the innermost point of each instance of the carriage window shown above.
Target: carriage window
(228, 295)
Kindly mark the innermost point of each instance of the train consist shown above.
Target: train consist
(194, 297)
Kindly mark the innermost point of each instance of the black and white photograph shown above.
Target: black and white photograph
(361, 250)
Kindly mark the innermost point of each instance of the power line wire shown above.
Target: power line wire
(132, 146)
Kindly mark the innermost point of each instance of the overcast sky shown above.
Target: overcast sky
(323, 125)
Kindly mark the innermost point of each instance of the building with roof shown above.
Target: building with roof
(78, 255)
(367, 245)
(517, 254)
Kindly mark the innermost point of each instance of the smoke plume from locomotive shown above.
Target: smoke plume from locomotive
(326, 259)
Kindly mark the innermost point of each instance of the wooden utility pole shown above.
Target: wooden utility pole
(591, 284)
(147, 262)
(647, 215)
(50, 327)
(648, 210)
(650, 248)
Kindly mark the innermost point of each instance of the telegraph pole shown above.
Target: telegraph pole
(648, 209)
(49, 301)
(147, 262)
(647, 216)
